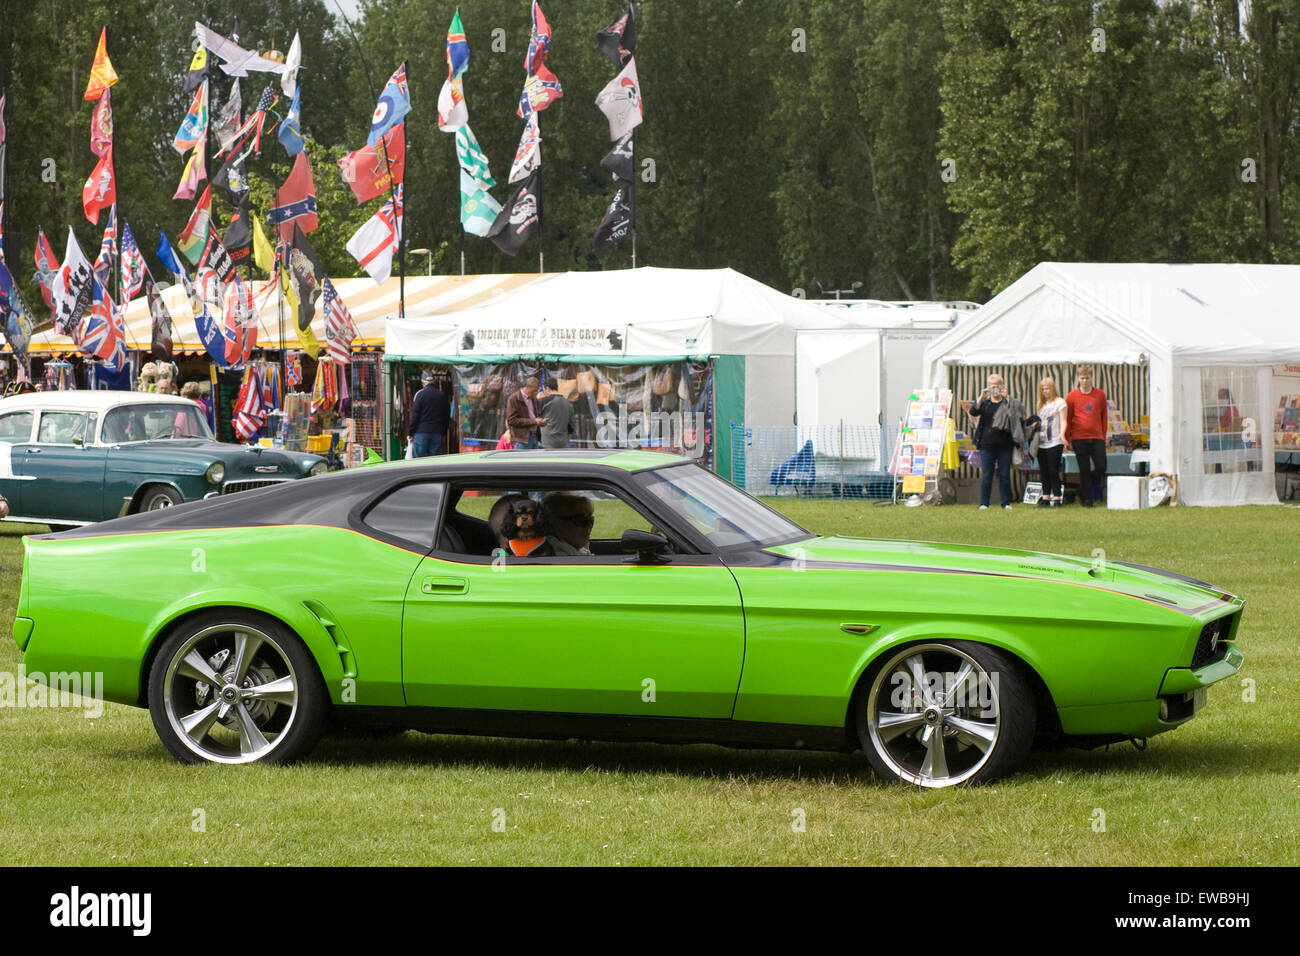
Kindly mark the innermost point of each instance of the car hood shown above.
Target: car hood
(239, 459)
(1179, 592)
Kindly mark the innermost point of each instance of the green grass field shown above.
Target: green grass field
(1223, 790)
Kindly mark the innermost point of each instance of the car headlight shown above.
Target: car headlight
(216, 473)
(318, 469)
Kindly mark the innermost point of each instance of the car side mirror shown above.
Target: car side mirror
(79, 442)
(649, 548)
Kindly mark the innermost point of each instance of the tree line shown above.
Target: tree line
(922, 150)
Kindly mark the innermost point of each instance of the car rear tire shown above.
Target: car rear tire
(157, 497)
(943, 713)
(236, 687)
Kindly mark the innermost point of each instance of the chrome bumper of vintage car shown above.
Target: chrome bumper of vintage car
(230, 487)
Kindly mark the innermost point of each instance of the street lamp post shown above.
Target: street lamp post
(428, 254)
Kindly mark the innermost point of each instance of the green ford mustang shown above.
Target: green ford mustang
(612, 595)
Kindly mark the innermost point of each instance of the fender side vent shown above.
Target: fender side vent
(341, 645)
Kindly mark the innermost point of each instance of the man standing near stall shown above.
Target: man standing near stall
(430, 415)
(521, 416)
(1085, 434)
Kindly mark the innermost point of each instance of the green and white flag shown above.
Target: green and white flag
(472, 158)
(478, 210)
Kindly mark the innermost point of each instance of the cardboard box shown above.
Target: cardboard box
(1126, 493)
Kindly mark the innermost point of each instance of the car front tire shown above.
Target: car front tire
(157, 497)
(236, 687)
(943, 713)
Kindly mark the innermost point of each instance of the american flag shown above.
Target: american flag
(340, 330)
(252, 405)
(133, 265)
(101, 333)
(103, 267)
(256, 120)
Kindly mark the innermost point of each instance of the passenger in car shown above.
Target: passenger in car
(571, 518)
(525, 531)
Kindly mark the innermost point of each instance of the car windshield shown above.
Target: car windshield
(128, 423)
(719, 510)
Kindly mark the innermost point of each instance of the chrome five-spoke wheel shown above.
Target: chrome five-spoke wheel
(943, 713)
(236, 689)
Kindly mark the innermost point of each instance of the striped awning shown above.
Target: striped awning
(370, 303)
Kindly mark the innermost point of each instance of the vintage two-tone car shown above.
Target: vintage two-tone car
(75, 457)
(607, 594)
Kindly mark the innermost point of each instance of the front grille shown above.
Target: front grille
(230, 487)
(1215, 629)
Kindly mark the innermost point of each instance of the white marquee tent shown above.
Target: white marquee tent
(1221, 343)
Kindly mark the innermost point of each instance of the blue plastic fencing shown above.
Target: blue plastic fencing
(830, 460)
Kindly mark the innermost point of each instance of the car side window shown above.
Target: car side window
(16, 427)
(62, 428)
(408, 513)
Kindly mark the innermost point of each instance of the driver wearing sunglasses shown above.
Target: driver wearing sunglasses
(571, 520)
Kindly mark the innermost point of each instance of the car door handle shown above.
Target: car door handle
(33, 451)
(444, 586)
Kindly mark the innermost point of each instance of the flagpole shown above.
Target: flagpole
(541, 220)
(632, 196)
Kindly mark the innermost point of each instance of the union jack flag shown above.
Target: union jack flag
(340, 330)
(101, 333)
(103, 267)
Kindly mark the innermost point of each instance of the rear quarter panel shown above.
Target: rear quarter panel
(99, 604)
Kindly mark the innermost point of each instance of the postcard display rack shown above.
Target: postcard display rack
(918, 449)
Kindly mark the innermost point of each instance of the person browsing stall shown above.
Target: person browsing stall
(430, 415)
(522, 416)
(999, 430)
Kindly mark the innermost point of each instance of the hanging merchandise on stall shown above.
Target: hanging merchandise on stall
(661, 406)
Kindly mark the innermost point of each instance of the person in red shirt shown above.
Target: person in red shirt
(1085, 434)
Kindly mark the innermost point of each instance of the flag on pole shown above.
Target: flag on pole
(452, 111)
(194, 127)
(231, 179)
(471, 157)
(617, 221)
(290, 134)
(394, 103)
(227, 122)
(292, 63)
(263, 254)
(252, 127)
(519, 217)
(340, 330)
(73, 288)
(306, 271)
(18, 320)
(250, 407)
(217, 258)
(478, 210)
(528, 157)
(102, 334)
(239, 237)
(101, 125)
(100, 190)
(618, 40)
(373, 170)
(375, 243)
(194, 236)
(102, 74)
(47, 267)
(619, 159)
(133, 264)
(541, 88)
(620, 101)
(103, 267)
(198, 71)
(161, 338)
(295, 202)
(196, 171)
(240, 326)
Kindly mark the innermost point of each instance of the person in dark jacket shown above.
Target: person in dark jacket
(1000, 430)
(430, 415)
